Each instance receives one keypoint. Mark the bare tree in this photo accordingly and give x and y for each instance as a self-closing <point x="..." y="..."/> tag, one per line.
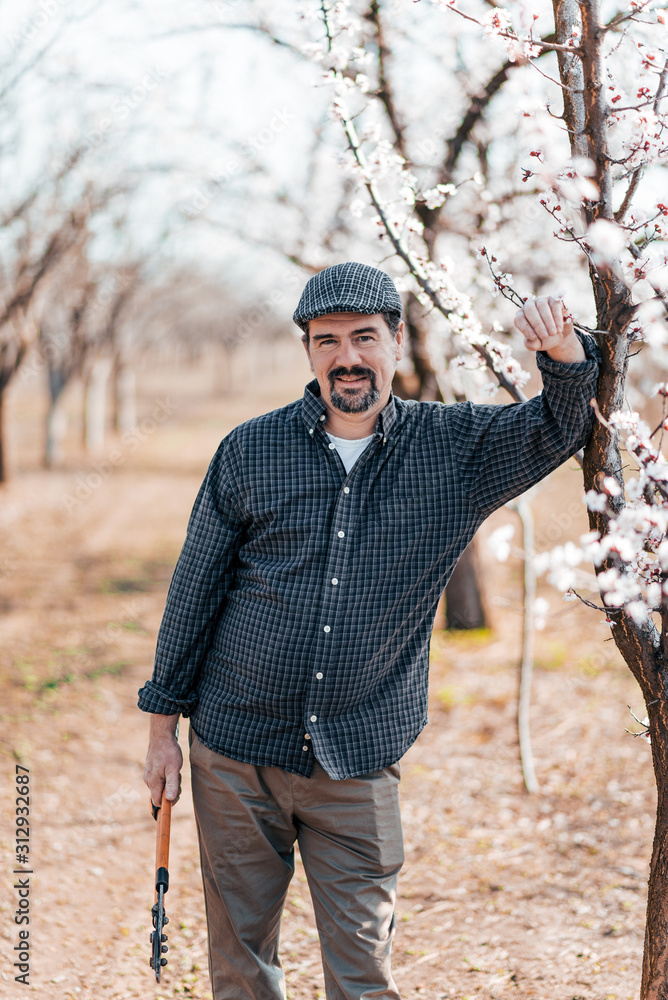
<point x="62" y="343"/>
<point x="18" y="324"/>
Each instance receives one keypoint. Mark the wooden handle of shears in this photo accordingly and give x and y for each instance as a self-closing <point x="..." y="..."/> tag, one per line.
<point x="164" y="818"/>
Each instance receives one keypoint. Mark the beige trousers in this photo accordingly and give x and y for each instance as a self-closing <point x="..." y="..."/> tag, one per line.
<point x="350" y="840"/>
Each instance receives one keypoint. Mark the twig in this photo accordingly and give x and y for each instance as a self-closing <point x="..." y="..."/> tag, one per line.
<point x="661" y="86"/>
<point x="514" y="296"/>
<point x="630" y="191"/>
<point x="547" y="76"/>
<point x="596" y="607"/>
<point x="645" y="725"/>
<point x="507" y="291"/>
<point x="620" y="18"/>
<point x="547" y="46"/>
<point x="599" y="416"/>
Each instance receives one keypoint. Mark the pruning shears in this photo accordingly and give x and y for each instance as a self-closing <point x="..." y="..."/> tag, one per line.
<point x="163" y="814"/>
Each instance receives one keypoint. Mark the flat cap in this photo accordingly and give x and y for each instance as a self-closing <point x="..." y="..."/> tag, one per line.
<point x="349" y="287"/>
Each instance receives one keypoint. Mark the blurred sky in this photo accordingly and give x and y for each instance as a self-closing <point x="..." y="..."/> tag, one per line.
<point x="167" y="96"/>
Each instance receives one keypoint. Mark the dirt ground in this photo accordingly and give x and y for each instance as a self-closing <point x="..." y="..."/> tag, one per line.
<point x="503" y="894"/>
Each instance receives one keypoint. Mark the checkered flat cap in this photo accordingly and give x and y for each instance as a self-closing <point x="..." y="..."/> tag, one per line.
<point x="349" y="287"/>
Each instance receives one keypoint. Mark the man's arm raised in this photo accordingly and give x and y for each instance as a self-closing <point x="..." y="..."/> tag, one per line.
<point x="503" y="450"/>
<point x="164" y="759"/>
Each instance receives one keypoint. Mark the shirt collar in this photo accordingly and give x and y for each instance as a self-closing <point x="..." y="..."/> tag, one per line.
<point x="313" y="409"/>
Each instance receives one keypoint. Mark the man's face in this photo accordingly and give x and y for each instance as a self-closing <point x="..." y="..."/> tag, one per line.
<point x="354" y="357"/>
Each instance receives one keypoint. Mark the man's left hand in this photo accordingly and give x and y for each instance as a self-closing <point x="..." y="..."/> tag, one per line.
<point x="547" y="327"/>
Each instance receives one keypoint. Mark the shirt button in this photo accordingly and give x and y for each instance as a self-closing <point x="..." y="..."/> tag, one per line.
<point x="346" y="489"/>
<point x="311" y="431"/>
<point x="320" y="675"/>
<point x="306" y="736"/>
<point x="322" y="417"/>
<point x="332" y="446"/>
<point x="314" y="718"/>
<point x="341" y="534"/>
<point x="334" y="582"/>
<point x="304" y="748"/>
<point x="327" y="628"/>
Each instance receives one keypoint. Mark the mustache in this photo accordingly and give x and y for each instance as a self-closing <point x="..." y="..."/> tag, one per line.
<point x="357" y="371"/>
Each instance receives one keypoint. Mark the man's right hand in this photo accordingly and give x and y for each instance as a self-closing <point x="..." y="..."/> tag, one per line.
<point x="164" y="759"/>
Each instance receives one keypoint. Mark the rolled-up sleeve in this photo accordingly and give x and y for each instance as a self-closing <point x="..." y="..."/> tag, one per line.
<point x="503" y="450"/>
<point x="197" y="593"/>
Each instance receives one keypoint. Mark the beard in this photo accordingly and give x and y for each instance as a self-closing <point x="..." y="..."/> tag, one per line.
<point x="354" y="399"/>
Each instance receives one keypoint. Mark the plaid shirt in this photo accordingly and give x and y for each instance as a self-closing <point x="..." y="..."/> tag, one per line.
<point x="299" y="614"/>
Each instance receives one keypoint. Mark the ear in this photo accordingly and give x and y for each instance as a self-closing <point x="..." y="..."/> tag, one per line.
<point x="305" y="342"/>
<point x="400" y="341"/>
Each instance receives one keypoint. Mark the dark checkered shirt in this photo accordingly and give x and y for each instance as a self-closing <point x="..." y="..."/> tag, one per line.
<point x="299" y="614"/>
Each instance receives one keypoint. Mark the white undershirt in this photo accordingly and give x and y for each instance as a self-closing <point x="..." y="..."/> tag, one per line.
<point x="350" y="451"/>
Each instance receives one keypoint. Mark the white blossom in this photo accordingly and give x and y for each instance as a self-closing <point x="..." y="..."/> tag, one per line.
<point x="435" y="197"/>
<point x="499" y="541"/>
<point x="619" y="591"/>
<point x="638" y="611"/>
<point x="560" y="563"/>
<point x="662" y="555"/>
<point x="541" y="609"/>
<point x="596" y="501"/>
<point x="496" y="20"/>
<point x="611" y="486"/>
<point x="607" y="240"/>
<point x="626" y="420"/>
<point x="608" y="579"/>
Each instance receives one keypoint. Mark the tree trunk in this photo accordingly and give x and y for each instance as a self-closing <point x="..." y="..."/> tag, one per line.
<point x="56" y="423"/>
<point x="96" y="404"/>
<point x="655" y="957"/>
<point x="417" y="336"/>
<point x="3" y="465"/>
<point x="56" y="420"/>
<point x="465" y="606"/>
<point x="125" y="397"/>
<point x="642" y="649"/>
<point x="225" y="381"/>
<point x="12" y="353"/>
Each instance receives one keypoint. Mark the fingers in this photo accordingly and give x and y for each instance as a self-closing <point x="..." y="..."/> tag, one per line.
<point x="540" y="318"/>
<point x="543" y="322"/>
<point x="156" y="795"/>
<point x="173" y="785"/>
<point x="163" y="770"/>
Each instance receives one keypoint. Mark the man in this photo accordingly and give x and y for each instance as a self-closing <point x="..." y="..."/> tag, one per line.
<point x="297" y="626"/>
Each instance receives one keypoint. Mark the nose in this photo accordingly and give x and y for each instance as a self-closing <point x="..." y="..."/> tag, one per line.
<point x="348" y="354"/>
